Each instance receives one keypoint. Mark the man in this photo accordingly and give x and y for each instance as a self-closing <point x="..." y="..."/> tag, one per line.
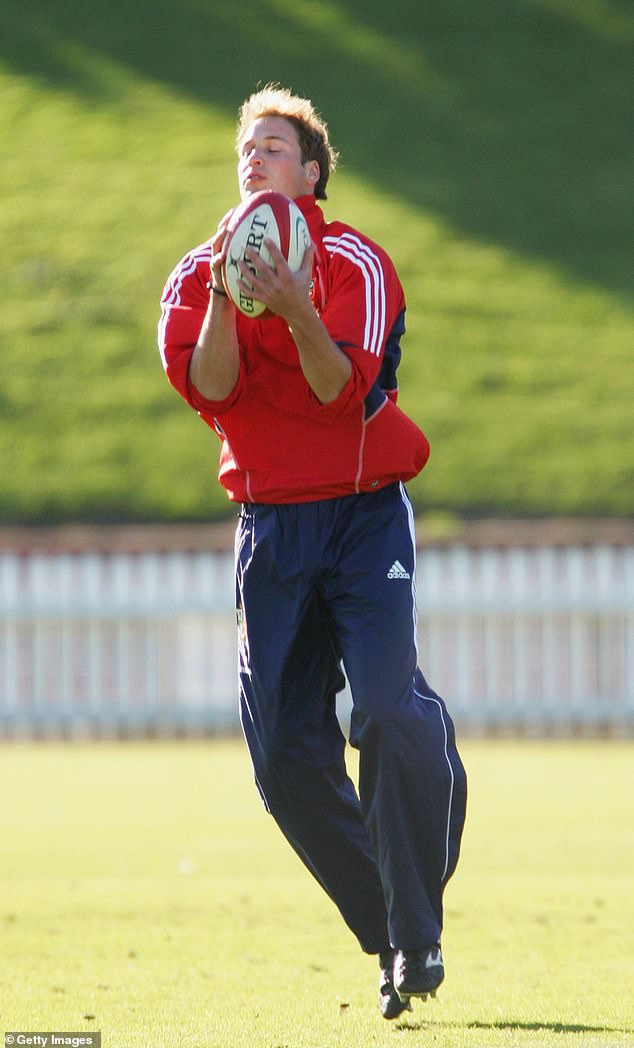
<point x="316" y="451"/>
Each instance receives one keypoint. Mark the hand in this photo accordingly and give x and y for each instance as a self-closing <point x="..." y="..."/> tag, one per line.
<point x="280" y="289"/>
<point x="218" y="250"/>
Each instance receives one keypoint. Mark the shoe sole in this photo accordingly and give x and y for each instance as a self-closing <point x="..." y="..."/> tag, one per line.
<point x="423" y="995"/>
<point x="429" y="991"/>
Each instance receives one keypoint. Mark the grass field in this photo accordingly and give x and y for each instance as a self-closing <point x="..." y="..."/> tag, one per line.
<point x="488" y="146"/>
<point x="146" y="894"/>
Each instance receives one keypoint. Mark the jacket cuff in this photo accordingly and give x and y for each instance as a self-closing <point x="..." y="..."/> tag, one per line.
<point x="342" y="402"/>
<point x="200" y="403"/>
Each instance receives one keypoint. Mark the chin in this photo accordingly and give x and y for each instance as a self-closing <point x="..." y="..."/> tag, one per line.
<point x="255" y="187"/>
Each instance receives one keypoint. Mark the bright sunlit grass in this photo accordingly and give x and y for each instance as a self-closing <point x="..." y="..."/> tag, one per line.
<point x="484" y="148"/>
<point x="146" y="894"/>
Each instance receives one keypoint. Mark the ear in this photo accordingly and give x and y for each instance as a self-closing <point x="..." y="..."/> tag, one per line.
<point x="312" y="171"/>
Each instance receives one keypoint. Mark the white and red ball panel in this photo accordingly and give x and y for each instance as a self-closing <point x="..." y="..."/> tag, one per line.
<point x="267" y="215"/>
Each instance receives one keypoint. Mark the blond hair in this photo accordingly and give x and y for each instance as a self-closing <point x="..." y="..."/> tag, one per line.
<point x="311" y="130"/>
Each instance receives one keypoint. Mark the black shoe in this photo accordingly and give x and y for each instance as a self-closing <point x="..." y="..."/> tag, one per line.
<point x="390" y="1004"/>
<point x="418" y="973"/>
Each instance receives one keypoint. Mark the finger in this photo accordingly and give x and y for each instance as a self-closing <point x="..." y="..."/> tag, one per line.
<point x="251" y="275"/>
<point x="226" y="218"/>
<point x="218" y="248"/>
<point x="222" y="226"/>
<point x="306" y="267"/>
<point x="219" y="239"/>
<point x="277" y="257"/>
<point x="256" y="262"/>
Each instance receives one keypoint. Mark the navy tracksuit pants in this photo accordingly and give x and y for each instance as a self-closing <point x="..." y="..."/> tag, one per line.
<point x="318" y="584"/>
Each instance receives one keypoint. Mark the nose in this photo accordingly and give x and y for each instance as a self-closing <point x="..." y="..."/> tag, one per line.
<point x="252" y="157"/>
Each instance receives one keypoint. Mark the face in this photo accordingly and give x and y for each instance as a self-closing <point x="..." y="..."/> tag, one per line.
<point x="270" y="158"/>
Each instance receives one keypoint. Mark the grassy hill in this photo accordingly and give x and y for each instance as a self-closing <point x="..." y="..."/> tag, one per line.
<point x="488" y="147"/>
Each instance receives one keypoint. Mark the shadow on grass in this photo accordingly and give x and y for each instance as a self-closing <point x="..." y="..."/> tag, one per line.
<point x="508" y="119"/>
<point x="535" y="1027"/>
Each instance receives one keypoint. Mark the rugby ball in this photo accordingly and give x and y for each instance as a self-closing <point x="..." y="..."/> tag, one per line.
<point x="266" y="215"/>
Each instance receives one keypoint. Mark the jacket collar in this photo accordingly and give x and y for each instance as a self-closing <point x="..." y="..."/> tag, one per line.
<point x="312" y="213"/>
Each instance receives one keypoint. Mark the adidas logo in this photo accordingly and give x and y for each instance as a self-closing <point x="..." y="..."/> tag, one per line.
<point x="397" y="571"/>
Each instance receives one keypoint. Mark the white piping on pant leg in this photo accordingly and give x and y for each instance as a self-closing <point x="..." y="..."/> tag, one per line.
<point x="244" y="664"/>
<point x="412" y="532"/>
<point x="429" y="698"/>
<point x="244" y="655"/>
<point x="235" y="541"/>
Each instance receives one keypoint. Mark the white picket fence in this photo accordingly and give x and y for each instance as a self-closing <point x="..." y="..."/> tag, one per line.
<point x="532" y="638"/>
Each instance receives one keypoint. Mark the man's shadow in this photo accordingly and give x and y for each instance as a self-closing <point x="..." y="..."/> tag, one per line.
<point x="536" y="1026"/>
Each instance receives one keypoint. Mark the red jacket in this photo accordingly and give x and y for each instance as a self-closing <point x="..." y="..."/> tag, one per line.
<point x="279" y="442"/>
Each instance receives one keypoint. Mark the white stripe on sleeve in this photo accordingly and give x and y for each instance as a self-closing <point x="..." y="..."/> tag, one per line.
<point x="361" y="255"/>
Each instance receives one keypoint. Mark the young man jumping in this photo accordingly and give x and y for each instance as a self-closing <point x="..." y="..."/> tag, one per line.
<point x="316" y="452"/>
